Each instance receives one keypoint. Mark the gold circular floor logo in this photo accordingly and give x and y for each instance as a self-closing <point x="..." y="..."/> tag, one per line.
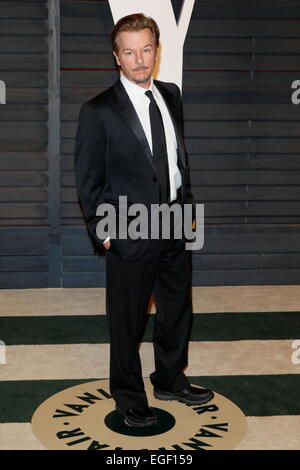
<point x="84" y="417"/>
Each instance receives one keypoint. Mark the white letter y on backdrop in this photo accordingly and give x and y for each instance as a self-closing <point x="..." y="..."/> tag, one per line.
<point x="172" y="35"/>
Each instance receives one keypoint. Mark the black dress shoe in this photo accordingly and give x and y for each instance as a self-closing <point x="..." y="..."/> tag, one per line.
<point x="138" y="419"/>
<point x="190" y="395"/>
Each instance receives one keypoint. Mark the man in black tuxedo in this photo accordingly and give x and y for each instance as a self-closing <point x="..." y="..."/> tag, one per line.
<point x="129" y="142"/>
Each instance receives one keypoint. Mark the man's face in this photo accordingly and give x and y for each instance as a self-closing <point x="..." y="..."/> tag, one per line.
<point x="136" y="55"/>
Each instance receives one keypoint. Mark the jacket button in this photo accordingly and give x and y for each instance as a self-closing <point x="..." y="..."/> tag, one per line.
<point x="154" y="179"/>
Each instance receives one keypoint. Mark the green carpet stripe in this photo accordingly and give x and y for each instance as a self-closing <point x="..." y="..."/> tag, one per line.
<point x="263" y="395"/>
<point x="93" y="329"/>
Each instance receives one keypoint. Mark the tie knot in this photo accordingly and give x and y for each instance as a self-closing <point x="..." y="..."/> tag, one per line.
<point x="149" y="94"/>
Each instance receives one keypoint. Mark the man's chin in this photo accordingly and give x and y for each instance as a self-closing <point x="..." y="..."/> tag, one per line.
<point x="142" y="79"/>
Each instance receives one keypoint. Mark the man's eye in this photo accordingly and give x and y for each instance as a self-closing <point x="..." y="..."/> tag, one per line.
<point x="147" y="50"/>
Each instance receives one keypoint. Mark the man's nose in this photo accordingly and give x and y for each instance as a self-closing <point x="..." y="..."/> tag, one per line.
<point x="139" y="58"/>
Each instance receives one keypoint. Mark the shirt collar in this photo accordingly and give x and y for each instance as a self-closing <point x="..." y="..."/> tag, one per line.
<point x="134" y="91"/>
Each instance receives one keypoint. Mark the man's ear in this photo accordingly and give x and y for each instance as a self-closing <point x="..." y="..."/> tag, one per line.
<point x="116" y="57"/>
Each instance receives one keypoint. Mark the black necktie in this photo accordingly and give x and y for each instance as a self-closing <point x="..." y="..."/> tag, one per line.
<point x="159" y="149"/>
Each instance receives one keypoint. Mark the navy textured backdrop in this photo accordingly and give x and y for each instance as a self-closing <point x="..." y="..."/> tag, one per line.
<point x="241" y="129"/>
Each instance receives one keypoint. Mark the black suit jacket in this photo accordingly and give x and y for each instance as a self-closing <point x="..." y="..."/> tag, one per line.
<point x="113" y="158"/>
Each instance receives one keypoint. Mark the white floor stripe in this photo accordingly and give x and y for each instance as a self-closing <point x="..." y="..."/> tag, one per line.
<point x="42" y="302"/>
<point x="272" y="433"/>
<point x="91" y="301"/>
<point x="18" y="436"/>
<point x="80" y="361"/>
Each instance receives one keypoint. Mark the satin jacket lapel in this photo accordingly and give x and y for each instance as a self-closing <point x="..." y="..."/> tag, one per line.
<point x="129" y="114"/>
<point x="168" y="98"/>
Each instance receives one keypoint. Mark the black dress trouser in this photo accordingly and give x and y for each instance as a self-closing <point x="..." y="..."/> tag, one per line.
<point x="165" y="271"/>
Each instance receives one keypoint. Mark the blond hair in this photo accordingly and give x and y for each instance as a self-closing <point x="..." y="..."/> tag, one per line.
<point x="134" y="22"/>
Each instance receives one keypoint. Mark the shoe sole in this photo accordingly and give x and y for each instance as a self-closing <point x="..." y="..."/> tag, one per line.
<point x="134" y="424"/>
<point x="126" y="422"/>
<point x="165" y="396"/>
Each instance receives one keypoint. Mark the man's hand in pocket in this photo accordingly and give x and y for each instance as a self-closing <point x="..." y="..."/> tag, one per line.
<point x="107" y="244"/>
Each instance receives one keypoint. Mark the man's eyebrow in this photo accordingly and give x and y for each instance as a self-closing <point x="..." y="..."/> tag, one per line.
<point x="128" y="49"/>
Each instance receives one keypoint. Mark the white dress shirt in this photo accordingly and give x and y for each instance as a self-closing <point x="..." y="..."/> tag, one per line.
<point x="141" y="104"/>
